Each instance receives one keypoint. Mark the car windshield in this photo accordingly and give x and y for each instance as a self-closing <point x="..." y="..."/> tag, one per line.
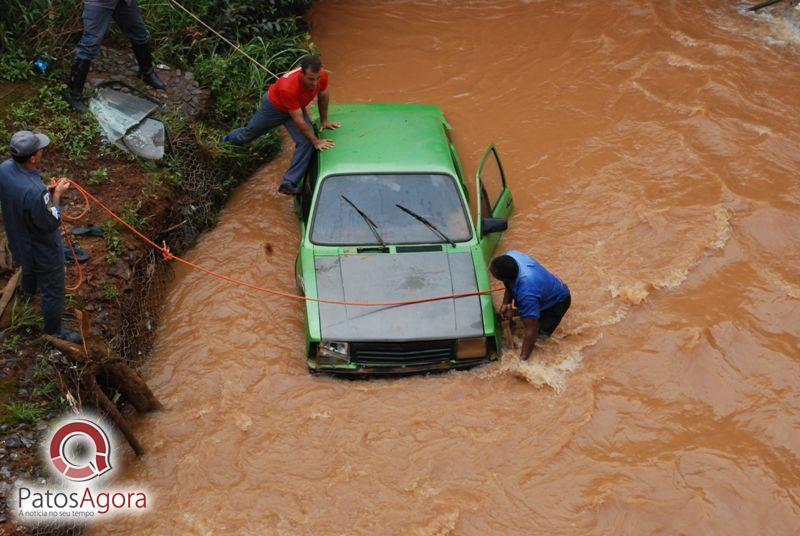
<point x="434" y="197"/>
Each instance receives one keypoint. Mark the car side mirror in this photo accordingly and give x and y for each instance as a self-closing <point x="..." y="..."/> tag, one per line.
<point x="493" y="225"/>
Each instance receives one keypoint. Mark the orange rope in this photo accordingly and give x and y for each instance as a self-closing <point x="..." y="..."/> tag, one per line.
<point x="69" y="239"/>
<point x="168" y="255"/>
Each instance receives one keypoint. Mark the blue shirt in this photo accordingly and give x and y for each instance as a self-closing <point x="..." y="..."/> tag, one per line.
<point x="535" y="289"/>
<point x="30" y="218"/>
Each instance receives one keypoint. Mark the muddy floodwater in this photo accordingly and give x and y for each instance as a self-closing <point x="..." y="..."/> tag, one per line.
<point x="653" y="150"/>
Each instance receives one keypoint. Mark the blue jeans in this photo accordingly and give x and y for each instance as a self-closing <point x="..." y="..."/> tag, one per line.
<point x="96" y="20"/>
<point x="268" y="117"/>
<point x="50" y="284"/>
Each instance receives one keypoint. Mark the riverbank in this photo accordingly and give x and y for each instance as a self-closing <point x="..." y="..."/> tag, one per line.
<point x="173" y="200"/>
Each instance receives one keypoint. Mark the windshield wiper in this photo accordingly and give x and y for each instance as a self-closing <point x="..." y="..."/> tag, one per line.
<point x="372" y="225"/>
<point x="428" y="224"/>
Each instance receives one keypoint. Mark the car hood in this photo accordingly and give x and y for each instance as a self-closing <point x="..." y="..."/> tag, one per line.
<point x="397" y="277"/>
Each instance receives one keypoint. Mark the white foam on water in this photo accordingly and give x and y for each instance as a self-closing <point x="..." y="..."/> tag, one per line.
<point x="541" y="369"/>
<point x="636" y="292"/>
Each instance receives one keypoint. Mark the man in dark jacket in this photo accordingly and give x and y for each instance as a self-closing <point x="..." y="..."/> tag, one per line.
<point x="97" y="15"/>
<point x="31" y="216"/>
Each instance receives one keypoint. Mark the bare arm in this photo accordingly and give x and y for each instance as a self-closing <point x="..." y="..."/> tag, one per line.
<point x="531" y="326"/>
<point x="506" y="311"/>
<point x="302" y="126"/>
<point x="307" y="131"/>
<point x="322" y="104"/>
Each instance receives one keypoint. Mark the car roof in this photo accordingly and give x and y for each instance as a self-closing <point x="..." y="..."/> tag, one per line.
<point x="386" y="138"/>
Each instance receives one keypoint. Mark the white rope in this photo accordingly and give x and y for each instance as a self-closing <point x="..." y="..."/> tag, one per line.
<point x="231" y="43"/>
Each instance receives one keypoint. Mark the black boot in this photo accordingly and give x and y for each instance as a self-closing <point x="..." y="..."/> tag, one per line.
<point x="77" y="78"/>
<point x="145" y="60"/>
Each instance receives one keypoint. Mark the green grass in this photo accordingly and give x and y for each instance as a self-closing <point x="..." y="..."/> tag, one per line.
<point x="76" y="135"/>
<point x="13" y="342"/>
<point x="24" y="412"/>
<point x="24" y="318"/>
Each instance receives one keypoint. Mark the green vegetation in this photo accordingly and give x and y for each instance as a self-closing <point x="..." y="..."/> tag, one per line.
<point x="24" y="319"/>
<point x="132" y="217"/>
<point x="109" y="291"/>
<point x="48" y="113"/>
<point x="24" y="412"/>
<point x="13" y="342"/>
<point x="98" y="176"/>
<point x="272" y="31"/>
<point x="114" y="246"/>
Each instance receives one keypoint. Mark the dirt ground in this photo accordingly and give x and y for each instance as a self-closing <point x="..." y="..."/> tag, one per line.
<point x="146" y="195"/>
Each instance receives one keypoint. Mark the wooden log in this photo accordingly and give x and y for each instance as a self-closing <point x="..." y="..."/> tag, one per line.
<point x="98" y="361"/>
<point x="8" y="291"/>
<point x="104" y="404"/>
<point x="128" y="382"/>
<point x="72" y="350"/>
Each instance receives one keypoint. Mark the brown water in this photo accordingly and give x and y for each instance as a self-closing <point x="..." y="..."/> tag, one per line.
<point x="653" y="150"/>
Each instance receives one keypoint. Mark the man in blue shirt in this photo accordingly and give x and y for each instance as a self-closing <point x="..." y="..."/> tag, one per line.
<point x="31" y="216"/>
<point x="541" y="298"/>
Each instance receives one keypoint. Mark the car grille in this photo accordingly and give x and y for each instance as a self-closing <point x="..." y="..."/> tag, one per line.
<point x="402" y="353"/>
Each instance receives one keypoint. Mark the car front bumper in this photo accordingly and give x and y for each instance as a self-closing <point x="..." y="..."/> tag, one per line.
<point x="355" y="369"/>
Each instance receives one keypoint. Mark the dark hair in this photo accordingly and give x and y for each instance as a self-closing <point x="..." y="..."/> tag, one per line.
<point x="311" y="62"/>
<point x="22" y="159"/>
<point x="504" y="268"/>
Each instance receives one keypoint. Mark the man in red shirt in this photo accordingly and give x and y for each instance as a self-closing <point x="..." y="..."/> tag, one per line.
<point x="285" y="104"/>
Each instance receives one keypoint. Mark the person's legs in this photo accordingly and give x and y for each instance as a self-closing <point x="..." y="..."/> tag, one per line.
<point x="131" y="22"/>
<point x="303" y="151"/>
<point x="265" y="118"/>
<point x="51" y="288"/>
<point x="28" y="283"/>
<point x="95" y="25"/>
<point x="549" y="319"/>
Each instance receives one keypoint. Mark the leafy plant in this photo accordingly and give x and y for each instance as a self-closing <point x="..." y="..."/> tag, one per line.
<point x="98" y="176"/>
<point x="132" y="217"/>
<point x="109" y="291"/>
<point x="14" y="66"/>
<point x="114" y="245"/>
<point x="49" y="113"/>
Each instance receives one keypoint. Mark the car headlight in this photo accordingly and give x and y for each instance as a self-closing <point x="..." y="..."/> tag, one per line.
<point x="333" y="352"/>
<point x="471" y="348"/>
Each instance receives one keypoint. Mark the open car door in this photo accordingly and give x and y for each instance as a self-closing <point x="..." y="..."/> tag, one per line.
<point x="494" y="202"/>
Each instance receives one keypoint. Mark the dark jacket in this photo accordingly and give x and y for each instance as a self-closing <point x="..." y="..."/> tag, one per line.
<point x="31" y="221"/>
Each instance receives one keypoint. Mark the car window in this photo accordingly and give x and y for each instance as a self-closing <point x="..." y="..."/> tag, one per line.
<point x="435" y="197"/>
<point x="492" y="179"/>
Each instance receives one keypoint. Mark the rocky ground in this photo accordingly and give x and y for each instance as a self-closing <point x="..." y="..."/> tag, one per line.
<point x="183" y="92"/>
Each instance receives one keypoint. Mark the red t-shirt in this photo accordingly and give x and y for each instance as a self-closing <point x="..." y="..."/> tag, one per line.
<point x="289" y="93"/>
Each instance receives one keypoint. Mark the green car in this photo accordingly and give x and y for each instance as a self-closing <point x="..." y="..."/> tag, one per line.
<point x="385" y="217"/>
